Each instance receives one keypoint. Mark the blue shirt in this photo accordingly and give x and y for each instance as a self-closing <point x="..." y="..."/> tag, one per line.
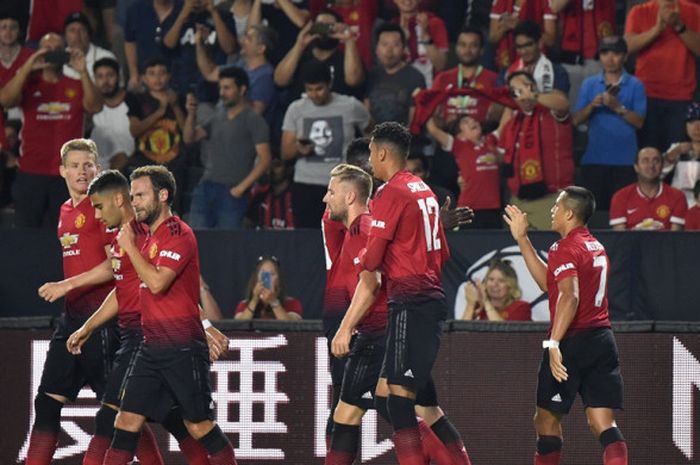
<point x="145" y="29"/>
<point x="611" y="140"/>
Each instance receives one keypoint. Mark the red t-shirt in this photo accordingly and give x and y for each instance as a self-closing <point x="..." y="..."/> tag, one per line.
<point x="667" y="52"/>
<point x="127" y="281"/>
<point x="629" y="206"/>
<point x="464" y="104"/>
<point x="478" y="165"/>
<point x="534" y="10"/>
<point x="290" y="304"/>
<point x="7" y="73"/>
<point x="518" y="310"/>
<point x="407" y="214"/>
<point x="171" y="319"/>
<point x="335" y="296"/>
<point x="83" y="240"/>
<point x="53" y="114"/>
<point x="692" y="218"/>
<point x="48" y="15"/>
<point x="584" y="23"/>
<point x="416" y="53"/>
<point x="580" y="254"/>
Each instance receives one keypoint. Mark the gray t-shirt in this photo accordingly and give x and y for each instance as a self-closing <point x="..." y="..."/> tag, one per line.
<point x="229" y="153"/>
<point x="391" y="95"/>
<point x="331" y="127"/>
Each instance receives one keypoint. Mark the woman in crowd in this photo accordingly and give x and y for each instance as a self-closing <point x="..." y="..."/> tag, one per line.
<point x="266" y="297"/>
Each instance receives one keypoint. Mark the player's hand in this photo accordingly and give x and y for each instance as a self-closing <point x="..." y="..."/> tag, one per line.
<point x="77" y="339"/>
<point x="340" y="345"/>
<point x="217" y="342"/>
<point x="452" y="218"/>
<point x="51" y="292"/>
<point x="556" y="364"/>
<point x="126" y="237"/>
<point x="517" y="221"/>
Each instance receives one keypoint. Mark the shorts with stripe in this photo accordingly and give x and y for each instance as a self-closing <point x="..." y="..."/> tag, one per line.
<point x="131" y="340"/>
<point x="364" y="364"/>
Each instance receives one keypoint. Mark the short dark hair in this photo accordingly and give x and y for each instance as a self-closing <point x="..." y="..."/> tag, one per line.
<point x="468" y="29"/>
<point x="315" y="72"/>
<point x="155" y="61"/>
<point x="636" y="157"/>
<point x="395" y="134"/>
<point x="391" y="27"/>
<point x="528" y="29"/>
<point x="267" y="37"/>
<point x="160" y="177"/>
<point x="521" y="72"/>
<point x="581" y="201"/>
<point x="358" y="149"/>
<point x="106" y="61"/>
<point x="109" y="181"/>
<point x="239" y="75"/>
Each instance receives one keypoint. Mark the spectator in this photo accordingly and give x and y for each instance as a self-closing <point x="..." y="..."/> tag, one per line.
<point x="497" y="298"/>
<point x="648" y="203"/>
<point x="210" y="307"/>
<point x="12" y="53"/>
<point x="683" y="158"/>
<point x="505" y="17"/>
<point x="391" y="84"/>
<point x="78" y="35"/>
<point x="665" y="35"/>
<point x="427" y="38"/>
<point x="319" y="42"/>
<point x="316" y="130"/>
<point x="417" y="163"/>
<point x="284" y="16"/>
<point x="538" y="157"/>
<point x="240" y="11"/>
<point x="54" y="108"/>
<point x="147" y="21"/>
<point x="9" y="154"/>
<point x="102" y="13"/>
<point x="692" y="218"/>
<point x="478" y="160"/>
<point x="612" y="104"/>
<point x="110" y="131"/>
<point x="217" y="30"/>
<point x="46" y="16"/>
<point x="236" y="155"/>
<point x="266" y="297"/>
<point x="271" y="203"/>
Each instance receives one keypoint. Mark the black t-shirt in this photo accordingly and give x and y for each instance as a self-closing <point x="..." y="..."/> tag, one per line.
<point x="162" y="142"/>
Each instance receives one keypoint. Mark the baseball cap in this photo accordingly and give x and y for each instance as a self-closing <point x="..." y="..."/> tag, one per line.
<point x="77" y="17"/>
<point x="693" y="112"/>
<point x="613" y="44"/>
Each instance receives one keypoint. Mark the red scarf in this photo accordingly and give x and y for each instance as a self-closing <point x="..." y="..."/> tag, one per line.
<point x="522" y="140"/>
<point x="573" y="25"/>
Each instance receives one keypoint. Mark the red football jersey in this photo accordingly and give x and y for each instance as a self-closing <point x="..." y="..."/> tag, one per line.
<point x="407" y="214"/>
<point x="465" y="104"/>
<point x="48" y="16"/>
<point x="127" y="282"/>
<point x="629" y="206"/>
<point x="53" y="114"/>
<point x="83" y="240"/>
<point x="692" y="219"/>
<point x="290" y="304"/>
<point x="580" y="254"/>
<point x="532" y="10"/>
<point x="8" y="72"/>
<point x="478" y="165"/>
<point x="335" y="296"/>
<point x="518" y="310"/>
<point x="171" y="319"/>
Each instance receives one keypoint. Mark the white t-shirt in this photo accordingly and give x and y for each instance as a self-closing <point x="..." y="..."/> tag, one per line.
<point x="111" y="133"/>
<point x="93" y="54"/>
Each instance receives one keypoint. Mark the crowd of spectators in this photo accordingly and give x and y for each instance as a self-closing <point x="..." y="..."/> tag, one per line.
<point x="250" y="103"/>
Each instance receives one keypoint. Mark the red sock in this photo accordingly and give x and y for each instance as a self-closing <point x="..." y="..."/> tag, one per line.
<point x="95" y="453"/>
<point x="451" y="441"/>
<point x="338" y="457"/>
<point x="147" y="450"/>
<point x="194" y="452"/>
<point x="548" y="459"/>
<point x="433" y="449"/>
<point x="615" y="453"/>
<point x="42" y="445"/>
<point x="118" y="457"/>
<point x="458" y="453"/>
<point x="407" y="445"/>
<point x="225" y="456"/>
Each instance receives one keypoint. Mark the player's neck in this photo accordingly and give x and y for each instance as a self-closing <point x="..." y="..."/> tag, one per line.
<point x="569" y="227"/>
<point x="353" y="214"/>
<point x="164" y="215"/>
<point x="77" y="197"/>
<point x="393" y="169"/>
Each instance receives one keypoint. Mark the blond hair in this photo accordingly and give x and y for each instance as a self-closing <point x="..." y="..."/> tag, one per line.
<point x="78" y="145"/>
<point x="359" y="177"/>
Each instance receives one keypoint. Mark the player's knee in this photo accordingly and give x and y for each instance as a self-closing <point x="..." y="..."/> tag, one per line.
<point x="47" y="412"/>
<point x="199" y="429"/>
<point x="347" y="414"/>
<point x="104" y="421"/>
<point x="213" y="440"/>
<point x="128" y="421"/>
<point x="610" y="436"/>
<point x="174" y="425"/>
<point x="548" y="444"/>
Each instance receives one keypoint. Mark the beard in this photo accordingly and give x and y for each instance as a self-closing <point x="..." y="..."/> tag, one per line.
<point x="470" y="63"/>
<point x="111" y="93"/>
<point x="326" y="43"/>
<point x="337" y="216"/>
<point x="149" y="215"/>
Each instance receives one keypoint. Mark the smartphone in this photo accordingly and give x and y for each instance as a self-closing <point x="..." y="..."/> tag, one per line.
<point x="612" y="89"/>
<point x="266" y="279"/>
<point x="57" y="57"/>
<point x="323" y="29"/>
<point x="305" y="141"/>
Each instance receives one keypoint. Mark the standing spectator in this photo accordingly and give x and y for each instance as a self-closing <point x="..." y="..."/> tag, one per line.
<point x="505" y="17"/>
<point x="665" y="35"/>
<point x="9" y="154"/>
<point x="427" y="38"/>
<point x="692" y="218"/>
<point x="102" y="13"/>
<point x="46" y="16"/>
<point x="391" y="84"/>
<point x="54" y="108"/>
<point x="110" y="131"/>
<point x="417" y="164"/>
<point x="316" y="130"/>
<point x="612" y="104"/>
<point x="237" y="138"/>
<point x="78" y="34"/>
<point x="683" y="158"/>
<point x="648" y="203"/>
<point x="271" y="204"/>
<point x="284" y="16"/>
<point x="12" y="53"/>
<point x="266" y="296"/>
<point x="538" y="159"/>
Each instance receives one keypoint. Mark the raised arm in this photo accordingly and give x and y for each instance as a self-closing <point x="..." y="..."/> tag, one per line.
<point x="11" y="94"/>
<point x="517" y="221"/>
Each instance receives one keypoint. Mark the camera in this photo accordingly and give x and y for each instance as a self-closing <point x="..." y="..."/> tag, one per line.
<point x="323" y="29"/>
<point x="612" y="89"/>
<point x="57" y="57"/>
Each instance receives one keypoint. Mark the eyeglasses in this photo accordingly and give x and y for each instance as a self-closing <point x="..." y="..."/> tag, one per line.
<point x="525" y="45"/>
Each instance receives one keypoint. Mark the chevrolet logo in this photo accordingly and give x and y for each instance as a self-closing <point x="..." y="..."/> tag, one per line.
<point x="68" y="240"/>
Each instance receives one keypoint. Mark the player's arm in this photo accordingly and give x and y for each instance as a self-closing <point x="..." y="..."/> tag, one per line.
<point x="365" y="293"/>
<point x="372" y="256"/>
<point x="566" y="306"/>
<point x="156" y="278"/>
<point x="107" y="311"/>
<point x="517" y="221"/>
<point x="99" y="274"/>
<point x="216" y="340"/>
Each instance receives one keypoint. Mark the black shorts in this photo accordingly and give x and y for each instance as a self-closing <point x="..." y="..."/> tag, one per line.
<point x="413" y="342"/>
<point x="337" y="365"/>
<point x="161" y="379"/>
<point x="593" y="365"/>
<point x="364" y="364"/>
<point x="131" y="340"/>
<point x="65" y="374"/>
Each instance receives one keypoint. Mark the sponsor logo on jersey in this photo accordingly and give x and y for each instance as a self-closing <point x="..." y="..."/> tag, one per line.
<point x="594" y="246"/>
<point x="419" y="186"/>
<point x="556" y="398"/>
<point x="564" y="267"/>
<point x="170" y="254"/>
<point x="68" y="240"/>
<point x="378" y="224"/>
<point x="408" y="373"/>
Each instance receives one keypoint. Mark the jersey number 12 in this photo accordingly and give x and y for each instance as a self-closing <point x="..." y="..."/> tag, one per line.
<point x="429" y="206"/>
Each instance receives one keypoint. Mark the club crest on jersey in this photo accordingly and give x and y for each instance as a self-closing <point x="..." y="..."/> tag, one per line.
<point x="663" y="211"/>
<point x="68" y="240"/>
<point x="116" y="264"/>
<point x="153" y="251"/>
<point x="80" y="221"/>
<point x="71" y="93"/>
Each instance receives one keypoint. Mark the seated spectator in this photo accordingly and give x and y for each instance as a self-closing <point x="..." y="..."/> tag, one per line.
<point x="692" y="218"/>
<point x="612" y="104"/>
<point x="497" y="298"/>
<point x="477" y="157"/>
<point x="270" y="204"/>
<point x="417" y="164"/>
<point x="12" y="53"/>
<point x="538" y="159"/>
<point x="665" y="36"/>
<point x="78" y="35"/>
<point x="391" y="84"/>
<point x="110" y="131"/>
<point x="316" y="130"/>
<point x="648" y="204"/>
<point x="284" y="16"/>
<point x="236" y="155"/>
<point x="683" y="158"/>
<point x="266" y="297"/>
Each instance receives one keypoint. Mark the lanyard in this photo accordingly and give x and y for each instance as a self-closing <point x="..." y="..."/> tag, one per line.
<point x="472" y="81"/>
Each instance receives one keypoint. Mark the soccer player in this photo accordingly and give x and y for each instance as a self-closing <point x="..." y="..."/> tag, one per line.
<point x="581" y="353"/>
<point x="408" y="242"/>
<point x="173" y="357"/>
<point x="88" y="280"/>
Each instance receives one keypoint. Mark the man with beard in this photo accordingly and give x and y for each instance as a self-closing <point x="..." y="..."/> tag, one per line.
<point x="111" y="125"/>
<point x="221" y="197"/>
